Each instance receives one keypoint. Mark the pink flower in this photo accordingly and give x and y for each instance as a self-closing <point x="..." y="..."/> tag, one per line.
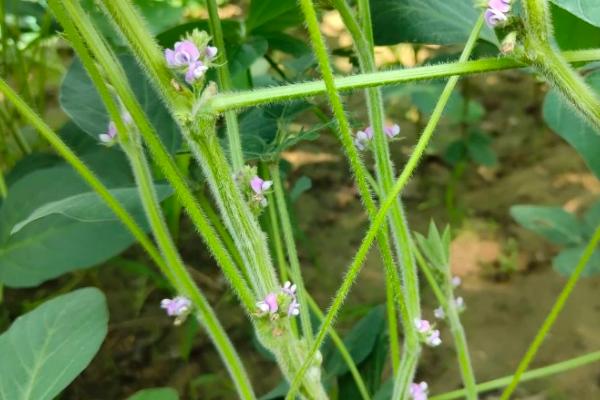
<point x="439" y="313"/>
<point x="433" y="338"/>
<point x="423" y="326"/>
<point x="176" y="306"/>
<point x="392" y="130"/>
<point x="294" y="308"/>
<point x="183" y="54"/>
<point x="418" y="391"/>
<point x="269" y="304"/>
<point x="500" y="5"/>
<point x="260" y="186"/>
<point x="289" y="288"/>
<point x="195" y="71"/>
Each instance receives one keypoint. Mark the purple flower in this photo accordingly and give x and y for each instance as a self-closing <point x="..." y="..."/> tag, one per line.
<point x="392" y="130"/>
<point x="211" y="52"/>
<point x="269" y="304"/>
<point x="439" y="313"/>
<point x="494" y="17"/>
<point x="362" y="138"/>
<point x="177" y="306"/>
<point x="195" y="70"/>
<point x="294" y="308"/>
<point x="423" y="326"/>
<point x="433" y="338"/>
<point x="260" y="186"/>
<point x="110" y="135"/>
<point x="289" y="288"/>
<point x="500" y="5"/>
<point x="418" y="391"/>
<point x="183" y="54"/>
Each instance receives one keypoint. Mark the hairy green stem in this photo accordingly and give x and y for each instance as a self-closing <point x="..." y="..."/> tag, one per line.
<point x="232" y="101"/>
<point x="177" y="271"/>
<point x="294" y="261"/>
<point x="384" y="168"/>
<point x="540" y="53"/>
<point x="446" y="301"/>
<point x="559" y="304"/>
<point x="236" y="214"/>
<point x="233" y="130"/>
<point x="404" y="377"/>
<point x="538" y="373"/>
<point x="346" y="356"/>
<point x="361" y="174"/>
<point x="116" y="76"/>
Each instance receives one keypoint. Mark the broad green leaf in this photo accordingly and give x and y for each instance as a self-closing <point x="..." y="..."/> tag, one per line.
<point x="242" y="56"/>
<point x="591" y="218"/>
<point x="89" y="206"/>
<point x="155" y="394"/>
<point x="573" y="33"/>
<point x="425" y="21"/>
<point x="45" y="349"/>
<point x="273" y="15"/>
<point x="79" y="99"/>
<point x="303" y="184"/>
<point x="588" y="10"/>
<point x="480" y="149"/>
<point x="567" y="123"/>
<point x="359" y="341"/>
<point x="553" y="223"/>
<point x="56" y="244"/>
<point x="566" y="261"/>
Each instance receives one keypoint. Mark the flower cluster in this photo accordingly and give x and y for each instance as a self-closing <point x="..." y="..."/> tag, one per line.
<point x="497" y="12"/>
<point x="253" y="187"/>
<point x="429" y="335"/>
<point x="418" y="391"/>
<point x="285" y="300"/>
<point x="192" y="56"/>
<point x="110" y="136"/>
<point x="178" y="307"/>
<point x="363" y="138"/>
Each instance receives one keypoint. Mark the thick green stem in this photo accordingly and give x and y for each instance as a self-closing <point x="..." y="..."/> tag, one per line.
<point x="294" y="261"/>
<point x="117" y="78"/>
<point x="232" y="101"/>
<point x="177" y="271"/>
<point x="535" y="345"/>
<point x="3" y="188"/>
<point x="447" y="303"/>
<point x="236" y="214"/>
<point x="233" y="130"/>
<point x="540" y="53"/>
<point x="538" y="373"/>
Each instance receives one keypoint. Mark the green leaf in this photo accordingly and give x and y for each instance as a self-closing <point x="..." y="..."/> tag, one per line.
<point x="273" y="15"/>
<point x="588" y="10"/>
<point x="89" y="206"/>
<point x="425" y="98"/>
<point x="56" y="244"/>
<point x="80" y="100"/>
<point x="155" y="394"/>
<point x="480" y="149"/>
<point x="360" y="341"/>
<point x="591" y="218"/>
<point x="302" y="185"/>
<point x="567" y="123"/>
<point x="242" y="56"/>
<point x="455" y="152"/>
<point x="425" y="21"/>
<point x="553" y="223"/>
<point x="572" y="33"/>
<point x="45" y="349"/>
<point x="566" y="261"/>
